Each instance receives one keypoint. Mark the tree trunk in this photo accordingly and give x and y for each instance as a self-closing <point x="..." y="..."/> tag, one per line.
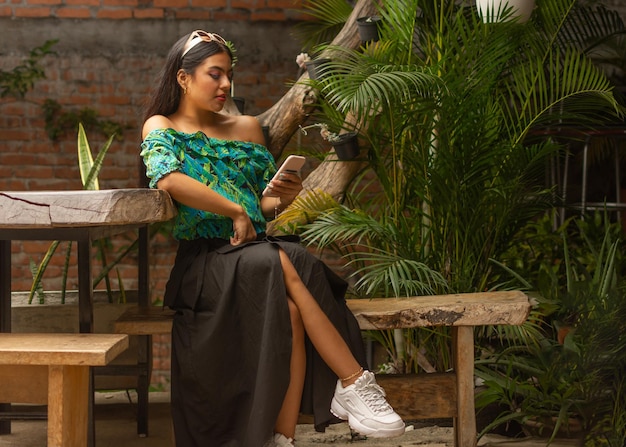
<point x="293" y="109"/>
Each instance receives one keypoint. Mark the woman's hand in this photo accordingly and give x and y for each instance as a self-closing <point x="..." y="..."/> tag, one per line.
<point x="287" y="187"/>
<point x="243" y="230"/>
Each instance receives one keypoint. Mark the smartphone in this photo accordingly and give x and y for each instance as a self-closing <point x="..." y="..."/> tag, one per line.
<point x="292" y="165"/>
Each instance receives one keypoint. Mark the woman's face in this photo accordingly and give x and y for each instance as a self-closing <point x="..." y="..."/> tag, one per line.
<point x="209" y="85"/>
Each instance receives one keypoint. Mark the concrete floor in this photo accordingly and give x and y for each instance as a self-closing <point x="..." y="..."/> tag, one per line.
<point x="116" y="427"/>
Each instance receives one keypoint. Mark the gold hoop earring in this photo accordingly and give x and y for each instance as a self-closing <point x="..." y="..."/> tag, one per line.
<point x="185" y="90"/>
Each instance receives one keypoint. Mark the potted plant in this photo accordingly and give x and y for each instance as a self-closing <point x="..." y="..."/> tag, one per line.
<point x="317" y="67"/>
<point x="346" y="145"/>
<point x="368" y="28"/>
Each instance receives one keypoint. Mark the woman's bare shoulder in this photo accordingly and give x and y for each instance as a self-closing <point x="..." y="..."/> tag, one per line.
<point x="249" y="129"/>
<point x="156" y="122"/>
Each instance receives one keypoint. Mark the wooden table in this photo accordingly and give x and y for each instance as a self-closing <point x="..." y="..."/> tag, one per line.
<point x="61" y="361"/>
<point x="82" y="216"/>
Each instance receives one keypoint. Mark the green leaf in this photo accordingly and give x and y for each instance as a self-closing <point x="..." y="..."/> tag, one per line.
<point x="85" y="159"/>
<point x="38" y="273"/>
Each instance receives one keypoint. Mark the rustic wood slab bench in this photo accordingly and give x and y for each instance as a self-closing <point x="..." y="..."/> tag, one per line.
<point x="429" y="396"/>
<point x="53" y="369"/>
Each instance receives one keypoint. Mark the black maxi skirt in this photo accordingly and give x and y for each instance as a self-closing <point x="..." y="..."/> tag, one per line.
<point x="231" y="340"/>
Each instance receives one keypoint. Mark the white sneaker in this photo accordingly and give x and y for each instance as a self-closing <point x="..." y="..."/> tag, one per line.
<point x="281" y="440"/>
<point x="364" y="405"/>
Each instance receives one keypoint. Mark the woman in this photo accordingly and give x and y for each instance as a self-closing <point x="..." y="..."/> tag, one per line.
<point x="261" y="330"/>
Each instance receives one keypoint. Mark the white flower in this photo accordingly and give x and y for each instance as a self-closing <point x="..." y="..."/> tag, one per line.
<point x="301" y="59"/>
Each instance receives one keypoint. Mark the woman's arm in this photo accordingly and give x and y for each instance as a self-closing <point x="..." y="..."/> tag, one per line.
<point x="195" y="194"/>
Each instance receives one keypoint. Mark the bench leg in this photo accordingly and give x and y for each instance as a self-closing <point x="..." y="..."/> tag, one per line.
<point x="68" y="401"/>
<point x="463" y="351"/>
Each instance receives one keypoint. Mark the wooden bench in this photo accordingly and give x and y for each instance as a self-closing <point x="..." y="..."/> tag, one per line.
<point x="54" y="369"/>
<point x="424" y="396"/>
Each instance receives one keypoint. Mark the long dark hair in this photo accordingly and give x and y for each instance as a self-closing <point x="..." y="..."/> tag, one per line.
<point x="165" y="98"/>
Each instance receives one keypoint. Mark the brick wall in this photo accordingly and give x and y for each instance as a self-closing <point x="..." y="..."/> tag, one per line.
<point x="222" y="10"/>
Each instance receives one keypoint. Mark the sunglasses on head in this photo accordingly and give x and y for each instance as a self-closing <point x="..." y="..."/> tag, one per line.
<point x="201" y="36"/>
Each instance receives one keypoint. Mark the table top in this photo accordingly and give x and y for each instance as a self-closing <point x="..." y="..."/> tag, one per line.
<point x="60" y="349"/>
<point x="71" y="209"/>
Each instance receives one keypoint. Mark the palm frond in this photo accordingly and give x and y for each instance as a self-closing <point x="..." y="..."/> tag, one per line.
<point x="304" y="209"/>
<point x="362" y="86"/>
<point x="399" y="19"/>
<point x="327" y="19"/>
<point x="566" y="90"/>
<point x="588" y="27"/>
<point x="342" y="224"/>
<point x="386" y="274"/>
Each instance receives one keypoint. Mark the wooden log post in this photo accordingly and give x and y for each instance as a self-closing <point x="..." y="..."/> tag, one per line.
<point x="463" y="354"/>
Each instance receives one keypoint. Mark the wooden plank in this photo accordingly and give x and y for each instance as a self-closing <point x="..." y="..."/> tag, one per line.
<point x="51" y="209"/>
<point x="466" y="309"/>
<point x="145" y="321"/>
<point x="60" y="349"/>
<point x="421" y="396"/>
<point x="25" y="384"/>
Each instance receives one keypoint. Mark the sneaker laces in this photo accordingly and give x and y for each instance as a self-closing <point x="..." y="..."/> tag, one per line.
<point x="374" y="397"/>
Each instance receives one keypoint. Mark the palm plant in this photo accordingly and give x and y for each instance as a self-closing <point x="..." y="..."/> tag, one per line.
<point x="452" y="111"/>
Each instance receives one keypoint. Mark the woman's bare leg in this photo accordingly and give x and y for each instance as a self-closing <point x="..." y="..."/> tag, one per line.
<point x="289" y="412"/>
<point x="327" y="340"/>
<point x="372" y="416"/>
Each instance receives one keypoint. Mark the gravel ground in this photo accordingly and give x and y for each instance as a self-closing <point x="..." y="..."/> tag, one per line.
<point x="340" y="435"/>
<point x="425" y="436"/>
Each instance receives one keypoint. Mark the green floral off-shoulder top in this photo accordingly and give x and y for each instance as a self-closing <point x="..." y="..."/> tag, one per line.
<point x="237" y="170"/>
